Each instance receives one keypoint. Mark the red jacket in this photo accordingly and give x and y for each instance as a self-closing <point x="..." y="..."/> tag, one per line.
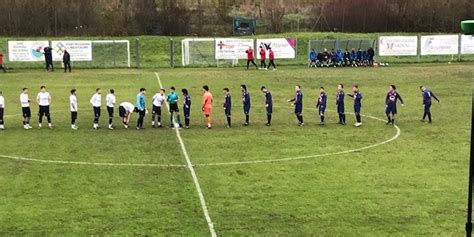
<point x="249" y="54"/>
<point x="271" y="55"/>
<point x="1" y="59"/>
<point x="262" y="54"/>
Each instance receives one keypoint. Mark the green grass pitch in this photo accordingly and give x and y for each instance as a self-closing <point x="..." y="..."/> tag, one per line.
<point x="414" y="185"/>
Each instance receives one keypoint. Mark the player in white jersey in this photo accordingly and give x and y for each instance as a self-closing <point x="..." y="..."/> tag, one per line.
<point x="110" y="102"/>
<point x="44" y="100"/>
<point x="25" y="108"/>
<point x="125" y="112"/>
<point x="96" y="102"/>
<point x="158" y="100"/>
<point x="2" y="108"/>
<point x="73" y="108"/>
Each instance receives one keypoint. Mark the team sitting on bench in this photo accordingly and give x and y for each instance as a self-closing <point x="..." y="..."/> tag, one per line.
<point x="338" y="58"/>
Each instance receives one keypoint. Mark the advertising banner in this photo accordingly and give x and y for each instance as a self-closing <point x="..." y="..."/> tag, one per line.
<point x="439" y="44"/>
<point x="80" y="50"/>
<point x="26" y="51"/>
<point x="232" y="48"/>
<point x="398" y="45"/>
<point x="282" y="47"/>
<point x="467" y="44"/>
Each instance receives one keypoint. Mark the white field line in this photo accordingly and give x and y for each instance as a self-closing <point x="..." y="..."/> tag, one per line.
<point x="88" y="163"/>
<point x="193" y="174"/>
<point x="310" y="156"/>
<point x="208" y="164"/>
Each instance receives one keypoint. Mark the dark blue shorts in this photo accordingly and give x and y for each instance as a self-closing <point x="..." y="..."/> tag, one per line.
<point x="357" y="109"/>
<point x="246" y="109"/>
<point x="186" y="111"/>
<point x="227" y="111"/>
<point x="427" y="107"/>
<point x="340" y="108"/>
<point x="298" y="108"/>
<point x="391" y="108"/>
<point x="269" y="109"/>
<point x="322" y="109"/>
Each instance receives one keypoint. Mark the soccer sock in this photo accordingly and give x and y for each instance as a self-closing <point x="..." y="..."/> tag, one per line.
<point x="153" y="118"/>
<point x="429" y="116"/>
<point x="247" y="117"/>
<point x="322" y="118"/>
<point x="393" y="121"/>
<point x="269" y="118"/>
<point x="24" y="123"/>
<point x="171" y="120"/>
<point x="186" y="122"/>
<point x="110" y="121"/>
<point x="228" y="121"/>
<point x="424" y="115"/>
<point x="159" y="118"/>
<point x="358" y="118"/>
<point x="177" y="119"/>
<point x="388" y="117"/>
<point x="344" y="118"/>
<point x="340" y="117"/>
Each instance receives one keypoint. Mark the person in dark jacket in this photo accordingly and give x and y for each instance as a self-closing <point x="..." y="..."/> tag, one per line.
<point x="67" y="61"/>
<point x="48" y="58"/>
<point x="359" y="58"/>
<point x="312" y="58"/>
<point x="371" y="53"/>
<point x="1" y="63"/>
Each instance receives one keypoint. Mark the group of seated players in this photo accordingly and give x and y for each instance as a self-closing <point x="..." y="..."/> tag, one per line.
<point x="339" y="58"/>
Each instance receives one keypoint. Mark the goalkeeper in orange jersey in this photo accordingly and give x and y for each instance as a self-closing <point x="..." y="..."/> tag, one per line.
<point x="207" y="105"/>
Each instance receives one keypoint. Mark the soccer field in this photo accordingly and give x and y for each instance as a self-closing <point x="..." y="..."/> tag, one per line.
<point x="331" y="180"/>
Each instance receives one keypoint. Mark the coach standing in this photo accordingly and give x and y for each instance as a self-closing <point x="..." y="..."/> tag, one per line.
<point x="271" y="57"/>
<point x="48" y="57"/>
<point x="250" y="58"/>
<point x="67" y="61"/>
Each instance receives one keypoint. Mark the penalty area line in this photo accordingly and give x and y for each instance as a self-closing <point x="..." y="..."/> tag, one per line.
<point x="193" y="172"/>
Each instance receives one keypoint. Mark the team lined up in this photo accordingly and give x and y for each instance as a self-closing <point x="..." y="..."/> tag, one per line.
<point x="126" y="109"/>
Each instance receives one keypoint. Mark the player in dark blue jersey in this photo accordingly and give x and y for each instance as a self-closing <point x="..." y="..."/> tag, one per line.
<point x="357" y="96"/>
<point x="298" y="103"/>
<point x="186" y="107"/>
<point x="268" y="105"/>
<point x="340" y="104"/>
<point x="321" y="104"/>
<point x="427" y="94"/>
<point x="227" y="106"/>
<point x="245" y="103"/>
<point x="391" y="104"/>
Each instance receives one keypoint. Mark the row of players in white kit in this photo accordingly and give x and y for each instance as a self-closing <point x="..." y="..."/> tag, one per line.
<point x="44" y="100"/>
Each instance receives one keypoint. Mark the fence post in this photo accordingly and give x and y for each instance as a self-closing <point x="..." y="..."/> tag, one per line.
<point x="418" y="47"/>
<point x="171" y="52"/>
<point x="307" y="53"/>
<point x="214" y="53"/>
<point x="92" y="48"/>
<point x="459" y="47"/>
<point x="137" y="52"/>
<point x="113" y="53"/>
<point x="296" y="49"/>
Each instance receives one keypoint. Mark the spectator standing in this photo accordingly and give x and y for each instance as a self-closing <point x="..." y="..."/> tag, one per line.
<point x="67" y="61"/>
